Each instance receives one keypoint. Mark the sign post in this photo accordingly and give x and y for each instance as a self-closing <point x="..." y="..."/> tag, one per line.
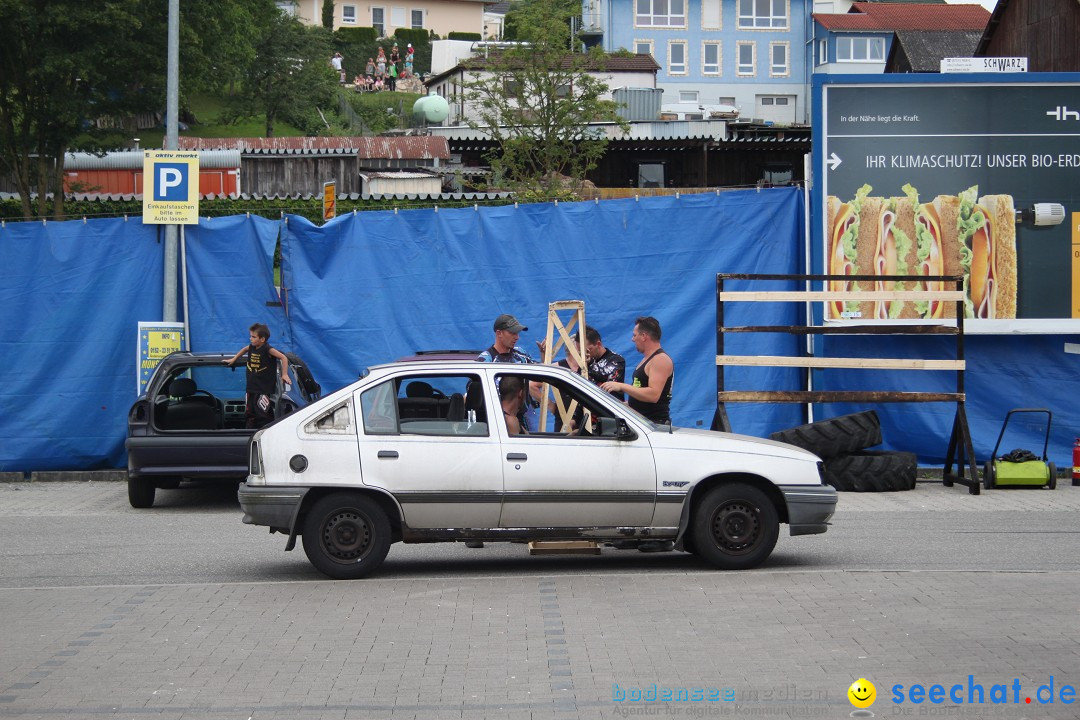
<point x="329" y="200"/>
<point x="170" y="187"/>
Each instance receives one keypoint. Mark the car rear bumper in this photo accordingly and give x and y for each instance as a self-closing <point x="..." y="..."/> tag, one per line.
<point x="809" y="507"/>
<point x="274" y="507"/>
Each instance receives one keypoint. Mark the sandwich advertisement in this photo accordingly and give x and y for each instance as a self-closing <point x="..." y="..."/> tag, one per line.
<point x="966" y="175"/>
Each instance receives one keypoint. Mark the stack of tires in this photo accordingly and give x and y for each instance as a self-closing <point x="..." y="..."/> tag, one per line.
<point x="842" y="441"/>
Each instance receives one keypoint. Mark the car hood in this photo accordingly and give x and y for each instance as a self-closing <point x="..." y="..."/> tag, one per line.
<point x="693" y="439"/>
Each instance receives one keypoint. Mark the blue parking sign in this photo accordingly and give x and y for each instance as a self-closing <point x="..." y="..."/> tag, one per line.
<point x="171" y="181"/>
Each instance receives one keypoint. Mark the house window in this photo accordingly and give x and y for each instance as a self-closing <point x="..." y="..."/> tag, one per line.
<point x="745" y="54"/>
<point x="378" y="20"/>
<point x="397" y="17"/>
<point x="778" y="59"/>
<point x="726" y="101"/>
<point x="860" y="49"/>
<point x="710" y="58"/>
<point x="711" y="18"/>
<point x="676" y="57"/>
<point x="643" y="47"/>
<point x="688" y="96"/>
<point x="287" y="6"/>
<point x="417" y="19"/>
<point x="660" y="13"/>
<point x="512" y="88"/>
<point x="763" y="14"/>
<point x="348" y="14"/>
<point x="823" y="52"/>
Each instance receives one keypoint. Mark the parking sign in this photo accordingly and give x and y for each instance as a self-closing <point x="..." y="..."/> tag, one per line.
<point x="170" y="187"/>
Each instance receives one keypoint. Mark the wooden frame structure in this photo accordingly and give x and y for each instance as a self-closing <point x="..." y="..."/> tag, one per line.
<point x="960" y="447"/>
<point x="574" y="348"/>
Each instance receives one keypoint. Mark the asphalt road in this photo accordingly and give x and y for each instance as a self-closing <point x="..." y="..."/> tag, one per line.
<point x="80" y="534"/>
<point x="181" y="612"/>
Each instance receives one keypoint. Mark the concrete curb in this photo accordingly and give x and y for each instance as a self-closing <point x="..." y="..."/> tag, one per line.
<point x="65" y="476"/>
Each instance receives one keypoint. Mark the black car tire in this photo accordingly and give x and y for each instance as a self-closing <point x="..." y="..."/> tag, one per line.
<point x="872" y="471"/>
<point x="832" y="437"/>
<point x="1052" y="483"/>
<point x="346" y="535"/>
<point x="141" y="492"/>
<point x="735" y="527"/>
<point x="988" y="475"/>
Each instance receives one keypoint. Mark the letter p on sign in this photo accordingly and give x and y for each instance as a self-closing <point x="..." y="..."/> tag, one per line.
<point x="171" y="183"/>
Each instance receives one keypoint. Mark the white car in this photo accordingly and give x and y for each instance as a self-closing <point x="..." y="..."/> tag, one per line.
<point x="420" y="452"/>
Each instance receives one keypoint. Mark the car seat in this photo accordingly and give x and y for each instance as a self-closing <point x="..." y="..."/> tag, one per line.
<point x="455" y="412"/>
<point x="190" y="412"/>
<point x="474" y="402"/>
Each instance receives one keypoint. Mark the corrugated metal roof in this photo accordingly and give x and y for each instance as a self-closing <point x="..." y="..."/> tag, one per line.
<point x="394" y="148"/>
<point x="389" y="175"/>
<point x="133" y="160"/>
<point x="867" y="16"/>
<point x="642" y="62"/>
<point x="651" y="130"/>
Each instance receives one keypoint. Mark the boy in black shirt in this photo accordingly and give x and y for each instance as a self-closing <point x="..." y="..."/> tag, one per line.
<point x="261" y="378"/>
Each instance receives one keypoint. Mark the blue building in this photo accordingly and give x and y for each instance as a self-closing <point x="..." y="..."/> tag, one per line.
<point x="747" y="53"/>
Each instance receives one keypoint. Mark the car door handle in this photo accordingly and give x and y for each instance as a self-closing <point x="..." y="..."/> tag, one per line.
<point x="516" y="456"/>
<point x="388" y="453"/>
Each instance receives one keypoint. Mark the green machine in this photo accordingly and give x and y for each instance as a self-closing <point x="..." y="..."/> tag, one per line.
<point x="1020" y="468"/>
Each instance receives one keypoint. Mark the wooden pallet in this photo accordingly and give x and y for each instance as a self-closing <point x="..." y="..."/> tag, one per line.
<point x="563" y="547"/>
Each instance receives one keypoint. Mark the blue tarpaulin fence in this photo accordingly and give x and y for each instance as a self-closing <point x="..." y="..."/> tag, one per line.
<point x="372" y="287"/>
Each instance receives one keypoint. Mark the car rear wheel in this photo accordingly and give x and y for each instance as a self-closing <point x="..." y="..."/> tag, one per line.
<point x="346" y="536"/>
<point x="141" y="492"/>
<point x="735" y="527"/>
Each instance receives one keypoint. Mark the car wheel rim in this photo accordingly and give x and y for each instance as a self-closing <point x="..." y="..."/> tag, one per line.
<point x="737" y="527"/>
<point x="347" y="536"/>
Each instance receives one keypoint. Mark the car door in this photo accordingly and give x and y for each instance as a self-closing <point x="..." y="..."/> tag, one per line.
<point x="554" y="479"/>
<point x="444" y="471"/>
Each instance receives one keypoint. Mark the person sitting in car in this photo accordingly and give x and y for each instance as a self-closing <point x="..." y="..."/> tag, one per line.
<point x="512" y="397"/>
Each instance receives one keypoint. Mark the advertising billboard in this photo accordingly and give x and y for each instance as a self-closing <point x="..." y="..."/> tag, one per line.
<point x="970" y="175"/>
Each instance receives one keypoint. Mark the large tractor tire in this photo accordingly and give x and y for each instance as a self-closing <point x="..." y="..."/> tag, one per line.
<point x="835" y="436"/>
<point x="872" y="471"/>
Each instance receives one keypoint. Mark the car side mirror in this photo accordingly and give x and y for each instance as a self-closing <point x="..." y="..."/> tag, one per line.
<point x="616" y="428"/>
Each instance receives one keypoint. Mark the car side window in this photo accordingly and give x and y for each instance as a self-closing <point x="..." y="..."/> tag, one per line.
<point x="379" y="409"/>
<point x="335" y="421"/>
<point x="569" y="410"/>
<point x="439" y="405"/>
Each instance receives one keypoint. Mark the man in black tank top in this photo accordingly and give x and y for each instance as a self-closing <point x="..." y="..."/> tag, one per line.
<point x="650" y="393"/>
<point x="262" y="361"/>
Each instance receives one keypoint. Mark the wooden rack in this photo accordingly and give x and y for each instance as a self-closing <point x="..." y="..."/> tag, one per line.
<point x="960" y="447"/>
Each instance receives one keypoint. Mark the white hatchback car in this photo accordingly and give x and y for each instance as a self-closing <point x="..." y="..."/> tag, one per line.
<point x="420" y="452"/>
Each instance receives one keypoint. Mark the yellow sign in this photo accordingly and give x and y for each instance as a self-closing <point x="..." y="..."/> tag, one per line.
<point x="329" y="200"/>
<point x="171" y="187"/>
<point x="156" y="340"/>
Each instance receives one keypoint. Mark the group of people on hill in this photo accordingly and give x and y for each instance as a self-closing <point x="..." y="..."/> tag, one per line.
<point x="382" y="72"/>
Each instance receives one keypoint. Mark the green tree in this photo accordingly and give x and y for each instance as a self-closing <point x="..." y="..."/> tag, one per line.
<point x="289" y="77"/>
<point x="328" y="14"/>
<point x="58" y="76"/>
<point x="536" y="101"/>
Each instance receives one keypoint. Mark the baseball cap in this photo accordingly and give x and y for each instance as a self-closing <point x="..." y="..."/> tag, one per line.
<point x="510" y="323"/>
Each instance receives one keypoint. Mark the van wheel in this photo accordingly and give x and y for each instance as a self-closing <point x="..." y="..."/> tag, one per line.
<point x="346" y="535"/>
<point x="141" y="492"/>
<point x="735" y="527"/>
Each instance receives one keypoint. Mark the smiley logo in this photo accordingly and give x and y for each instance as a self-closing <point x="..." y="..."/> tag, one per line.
<point x="862" y="693"/>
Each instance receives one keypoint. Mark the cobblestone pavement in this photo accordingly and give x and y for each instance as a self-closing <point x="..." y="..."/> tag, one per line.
<point x="777" y="643"/>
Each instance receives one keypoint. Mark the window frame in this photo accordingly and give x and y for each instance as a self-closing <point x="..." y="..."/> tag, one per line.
<point x="786" y="70"/>
<point x="650" y="43"/>
<point x="380" y="26"/>
<point x="719" y="15"/>
<point x="412" y="18"/>
<point x="347" y="19"/>
<point x="670" y="19"/>
<point x="866" y="43"/>
<point x="670" y="69"/>
<point x="705" y="65"/>
<point x="754" y="21"/>
<point x="739" y="45"/>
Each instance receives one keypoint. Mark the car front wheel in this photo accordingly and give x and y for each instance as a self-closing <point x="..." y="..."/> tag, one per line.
<point x="735" y="527"/>
<point x="346" y="536"/>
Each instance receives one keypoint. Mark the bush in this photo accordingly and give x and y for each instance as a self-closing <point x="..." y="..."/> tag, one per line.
<point x="357" y="36"/>
<point x="475" y="37"/>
